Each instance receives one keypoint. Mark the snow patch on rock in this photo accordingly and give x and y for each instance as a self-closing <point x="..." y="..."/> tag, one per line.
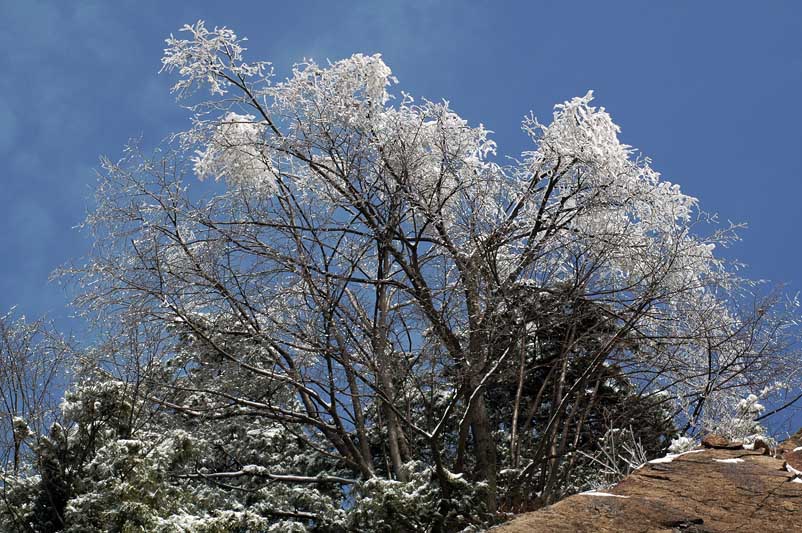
<point x="671" y="456"/>
<point x="603" y="494"/>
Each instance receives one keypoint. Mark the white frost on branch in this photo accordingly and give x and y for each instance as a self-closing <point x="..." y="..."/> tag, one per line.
<point x="236" y="152"/>
<point x="210" y="57"/>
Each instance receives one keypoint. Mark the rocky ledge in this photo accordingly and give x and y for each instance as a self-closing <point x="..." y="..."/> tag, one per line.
<point x="720" y="488"/>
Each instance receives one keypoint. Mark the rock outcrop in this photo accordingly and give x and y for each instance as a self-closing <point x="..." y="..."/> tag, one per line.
<point x="721" y="488"/>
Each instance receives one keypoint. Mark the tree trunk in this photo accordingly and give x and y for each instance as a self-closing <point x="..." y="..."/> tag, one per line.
<point x="380" y="350"/>
<point x="485" y="448"/>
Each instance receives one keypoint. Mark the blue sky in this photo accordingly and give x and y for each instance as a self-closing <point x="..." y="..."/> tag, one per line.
<point x="711" y="91"/>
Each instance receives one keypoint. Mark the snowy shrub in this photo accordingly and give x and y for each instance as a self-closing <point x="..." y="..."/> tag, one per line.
<point x="682" y="444"/>
<point x="383" y="506"/>
<point x="735" y="419"/>
<point x="620" y="452"/>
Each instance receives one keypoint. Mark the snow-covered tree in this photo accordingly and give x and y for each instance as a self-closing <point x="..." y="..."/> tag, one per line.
<point x="33" y="361"/>
<point x="364" y="284"/>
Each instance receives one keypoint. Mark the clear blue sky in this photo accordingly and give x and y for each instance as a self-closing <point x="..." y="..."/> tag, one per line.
<point x="712" y="91"/>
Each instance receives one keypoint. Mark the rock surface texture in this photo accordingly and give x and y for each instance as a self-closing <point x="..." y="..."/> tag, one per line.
<point x="717" y="489"/>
